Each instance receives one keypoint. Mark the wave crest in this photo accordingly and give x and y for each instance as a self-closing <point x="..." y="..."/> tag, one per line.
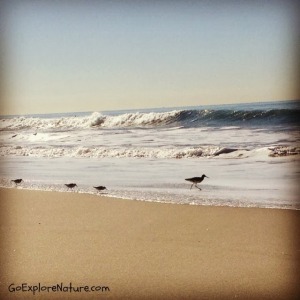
<point x="185" y="118"/>
<point x="96" y="119"/>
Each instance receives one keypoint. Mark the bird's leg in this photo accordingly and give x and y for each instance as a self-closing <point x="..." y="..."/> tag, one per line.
<point x="191" y="186"/>
<point x="197" y="186"/>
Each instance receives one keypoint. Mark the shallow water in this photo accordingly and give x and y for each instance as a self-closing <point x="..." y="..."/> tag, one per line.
<point x="246" y="182"/>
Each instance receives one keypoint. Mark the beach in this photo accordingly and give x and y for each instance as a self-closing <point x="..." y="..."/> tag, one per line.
<point x="149" y="150"/>
<point x="144" y="250"/>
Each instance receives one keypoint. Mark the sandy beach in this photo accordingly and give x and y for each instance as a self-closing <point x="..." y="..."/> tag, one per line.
<point x="143" y="250"/>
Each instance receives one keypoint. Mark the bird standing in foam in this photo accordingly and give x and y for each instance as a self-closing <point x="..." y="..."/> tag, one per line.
<point x="71" y="185"/>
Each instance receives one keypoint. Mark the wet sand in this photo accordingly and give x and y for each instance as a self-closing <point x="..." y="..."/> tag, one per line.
<point x="144" y="250"/>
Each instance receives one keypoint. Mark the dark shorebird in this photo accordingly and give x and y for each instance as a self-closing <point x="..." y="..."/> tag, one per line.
<point x="100" y="188"/>
<point x="196" y="180"/>
<point x="70" y="185"/>
<point x="17" y="181"/>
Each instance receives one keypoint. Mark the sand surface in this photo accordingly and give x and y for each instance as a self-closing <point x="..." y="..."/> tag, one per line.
<point x="144" y="250"/>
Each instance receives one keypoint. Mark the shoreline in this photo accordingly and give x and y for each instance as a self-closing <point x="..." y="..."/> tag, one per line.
<point x="146" y="250"/>
<point x="141" y="200"/>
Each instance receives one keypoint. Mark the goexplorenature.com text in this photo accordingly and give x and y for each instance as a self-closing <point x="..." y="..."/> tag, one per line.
<point x="56" y="288"/>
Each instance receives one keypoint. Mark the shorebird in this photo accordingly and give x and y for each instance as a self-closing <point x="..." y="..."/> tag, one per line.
<point x="100" y="188"/>
<point x="70" y="185"/>
<point x="196" y="180"/>
<point x="17" y="181"/>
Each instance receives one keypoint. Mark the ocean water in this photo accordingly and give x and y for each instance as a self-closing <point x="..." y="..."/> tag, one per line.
<point x="250" y="152"/>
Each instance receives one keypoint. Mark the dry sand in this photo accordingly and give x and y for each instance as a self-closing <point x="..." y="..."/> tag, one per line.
<point x="143" y="250"/>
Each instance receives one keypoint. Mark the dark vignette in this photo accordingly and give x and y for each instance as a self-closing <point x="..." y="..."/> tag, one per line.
<point x="4" y="70"/>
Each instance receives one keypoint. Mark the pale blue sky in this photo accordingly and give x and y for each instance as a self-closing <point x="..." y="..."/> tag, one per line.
<point x="101" y="55"/>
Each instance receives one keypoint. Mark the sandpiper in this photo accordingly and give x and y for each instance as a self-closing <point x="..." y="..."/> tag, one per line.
<point x="196" y="180"/>
<point x="70" y="185"/>
<point x="17" y="181"/>
<point x="100" y="188"/>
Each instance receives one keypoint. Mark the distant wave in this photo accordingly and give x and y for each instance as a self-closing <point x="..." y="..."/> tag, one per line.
<point x="184" y="118"/>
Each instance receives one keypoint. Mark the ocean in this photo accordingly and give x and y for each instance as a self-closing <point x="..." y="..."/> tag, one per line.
<point x="250" y="152"/>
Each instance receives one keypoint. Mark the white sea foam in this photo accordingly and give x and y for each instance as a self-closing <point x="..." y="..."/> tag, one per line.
<point x="95" y="119"/>
<point x="101" y="152"/>
<point x="133" y="119"/>
<point x="145" y="152"/>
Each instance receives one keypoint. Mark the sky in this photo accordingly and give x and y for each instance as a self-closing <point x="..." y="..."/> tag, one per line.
<point x="68" y="56"/>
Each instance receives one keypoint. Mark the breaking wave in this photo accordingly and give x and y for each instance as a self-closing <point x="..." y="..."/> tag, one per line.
<point x="145" y="152"/>
<point x="184" y="118"/>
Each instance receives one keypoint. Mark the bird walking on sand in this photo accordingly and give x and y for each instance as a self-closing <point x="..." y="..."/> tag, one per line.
<point x="196" y="180"/>
<point x="100" y="188"/>
<point x="70" y="185"/>
<point x="17" y="181"/>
